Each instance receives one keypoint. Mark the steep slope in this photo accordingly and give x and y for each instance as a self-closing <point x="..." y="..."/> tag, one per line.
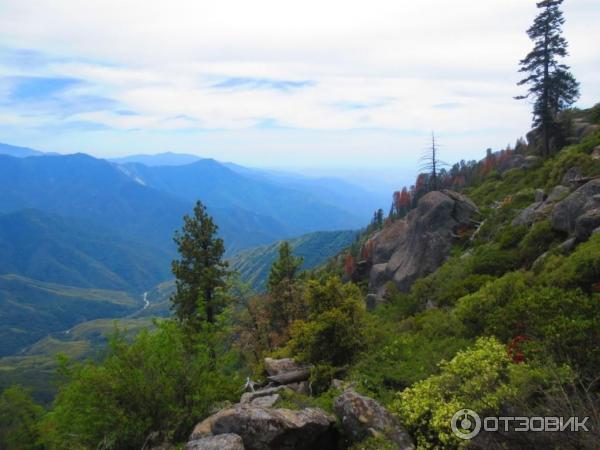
<point x="316" y="248"/>
<point x="49" y="248"/>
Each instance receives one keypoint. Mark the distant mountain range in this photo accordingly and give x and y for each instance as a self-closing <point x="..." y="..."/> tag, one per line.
<point x="159" y="159"/>
<point x="74" y="225"/>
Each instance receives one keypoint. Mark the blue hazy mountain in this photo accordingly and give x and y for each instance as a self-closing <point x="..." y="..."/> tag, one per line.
<point x="159" y="159"/>
<point x="53" y="249"/>
<point x="18" y="152"/>
<point x="299" y="207"/>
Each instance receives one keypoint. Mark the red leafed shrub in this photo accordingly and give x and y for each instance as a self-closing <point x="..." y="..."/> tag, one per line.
<point x="515" y="350"/>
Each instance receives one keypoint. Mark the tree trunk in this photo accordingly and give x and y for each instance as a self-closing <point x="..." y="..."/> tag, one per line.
<point x="291" y="377"/>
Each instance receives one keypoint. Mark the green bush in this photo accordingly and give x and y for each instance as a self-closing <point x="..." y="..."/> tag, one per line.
<point x="161" y="382"/>
<point x="334" y="332"/>
<point x="511" y="236"/>
<point x="538" y="240"/>
<point x="581" y="269"/>
<point x="482" y="378"/>
<point x="474" y="311"/>
<point x="477" y="378"/>
<point x="19" y="420"/>
<point x="491" y="260"/>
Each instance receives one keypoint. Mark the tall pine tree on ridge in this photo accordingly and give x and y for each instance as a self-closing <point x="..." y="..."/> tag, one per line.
<point x="552" y="86"/>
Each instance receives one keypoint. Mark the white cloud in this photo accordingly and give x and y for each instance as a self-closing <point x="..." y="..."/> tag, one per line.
<point x="380" y="65"/>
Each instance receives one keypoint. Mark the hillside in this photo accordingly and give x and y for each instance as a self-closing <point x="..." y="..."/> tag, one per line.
<point x="31" y="309"/>
<point x="49" y="248"/>
<point x="482" y="292"/>
<point x="315" y="248"/>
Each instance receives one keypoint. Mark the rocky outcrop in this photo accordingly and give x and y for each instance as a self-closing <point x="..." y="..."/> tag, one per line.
<point x="542" y="207"/>
<point x="362" y="417"/>
<point x="268" y="428"/>
<point x="416" y="246"/>
<point x="279" y="366"/>
<point x="220" y="442"/>
<point x="579" y="213"/>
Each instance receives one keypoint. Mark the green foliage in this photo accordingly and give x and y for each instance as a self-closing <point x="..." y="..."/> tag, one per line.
<point x="573" y="156"/>
<point x="536" y="242"/>
<point x="161" y="382"/>
<point x="560" y="323"/>
<point x="581" y="269"/>
<point x="477" y="378"/>
<point x="375" y="443"/>
<point x="509" y="237"/>
<point x="315" y="249"/>
<point x="19" y="420"/>
<point x="285" y="268"/>
<point x="453" y="280"/>
<point x="552" y="86"/>
<point x="473" y="310"/>
<point x="407" y="352"/>
<point x="334" y="332"/>
<point x="491" y="260"/>
<point x="201" y="269"/>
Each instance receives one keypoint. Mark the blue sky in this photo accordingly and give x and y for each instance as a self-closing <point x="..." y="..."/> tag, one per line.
<point x="306" y="85"/>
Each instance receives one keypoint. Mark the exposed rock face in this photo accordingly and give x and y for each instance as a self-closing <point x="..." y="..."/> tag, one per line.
<point x="279" y="366"/>
<point x="266" y="428"/>
<point x="542" y="207"/>
<point x="579" y="213"/>
<point x="362" y="417"/>
<point x="287" y="372"/>
<point x="220" y="442"/>
<point x="248" y="397"/>
<point x="418" y="245"/>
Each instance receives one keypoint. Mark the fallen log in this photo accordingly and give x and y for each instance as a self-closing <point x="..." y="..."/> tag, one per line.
<point x="291" y="377"/>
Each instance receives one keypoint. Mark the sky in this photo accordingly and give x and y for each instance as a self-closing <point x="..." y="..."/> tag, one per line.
<point x="311" y="85"/>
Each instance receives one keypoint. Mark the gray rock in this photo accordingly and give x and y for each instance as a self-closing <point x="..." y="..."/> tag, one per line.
<point x="417" y="245"/>
<point x="248" y="397"/>
<point x="268" y="428"/>
<point x="574" y="214"/>
<point x="531" y="214"/>
<point x="596" y="153"/>
<point x="540" y="195"/>
<point x="530" y="161"/>
<point x="571" y="176"/>
<point x="586" y="224"/>
<point x="373" y="300"/>
<point x="227" y="441"/>
<point x="568" y="246"/>
<point x="266" y="401"/>
<point x="303" y="387"/>
<point x="362" y="417"/>
<point x="558" y="193"/>
<point x="279" y="366"/>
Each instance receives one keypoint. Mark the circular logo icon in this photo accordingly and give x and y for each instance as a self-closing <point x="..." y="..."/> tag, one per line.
<point x="466" y="424"/>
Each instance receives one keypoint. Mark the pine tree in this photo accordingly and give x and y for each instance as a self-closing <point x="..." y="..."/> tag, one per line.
<point x="201" y="269"/>
<point x="552" y="86"/>
<point x="285" y="268"/>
